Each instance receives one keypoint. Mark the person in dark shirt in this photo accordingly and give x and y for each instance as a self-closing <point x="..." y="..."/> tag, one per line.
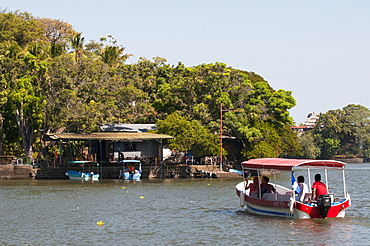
<point x="266" y="187"/>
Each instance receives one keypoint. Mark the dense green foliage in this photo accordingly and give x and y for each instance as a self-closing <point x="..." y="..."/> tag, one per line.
<point x="339" y="133"/>
<point x="52" y="81"/>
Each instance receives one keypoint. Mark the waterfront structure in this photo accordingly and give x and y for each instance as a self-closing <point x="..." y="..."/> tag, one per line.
<point x="308" y="124"/>
<point x="116" y="142"/>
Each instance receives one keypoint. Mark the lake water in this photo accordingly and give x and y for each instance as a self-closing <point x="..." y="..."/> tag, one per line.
<point x="165" y="212"/>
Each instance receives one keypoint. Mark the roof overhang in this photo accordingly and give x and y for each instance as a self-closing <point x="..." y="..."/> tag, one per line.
<point x="114" y="136"/>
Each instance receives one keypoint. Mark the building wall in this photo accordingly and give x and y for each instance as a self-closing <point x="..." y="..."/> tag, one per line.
<point x="133" y="149"/>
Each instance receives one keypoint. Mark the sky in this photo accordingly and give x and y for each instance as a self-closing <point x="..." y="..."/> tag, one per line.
<point x="318" y="49"/>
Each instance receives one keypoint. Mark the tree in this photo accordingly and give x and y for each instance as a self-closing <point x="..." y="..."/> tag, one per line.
<point x="20" y="27"/>
<point x="356" y="127"/>
<point x="310" y="149"/>
<point x="76" y="44"/>
<point x="270" y="104"/>
<point x="57" y="31"/>
<point x="112" y="55"/>
<point x="79" y="96"/>
<point x="270" y="139"/>
<point x="189" y="135"/>
<point x="25" y="100"/>
<point x="344" y="132"/>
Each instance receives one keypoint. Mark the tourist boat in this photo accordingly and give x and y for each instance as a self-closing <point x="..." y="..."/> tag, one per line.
<point x="88" y="176"/>
<point x="131" y="170"/>
<point x="284" y="203"/>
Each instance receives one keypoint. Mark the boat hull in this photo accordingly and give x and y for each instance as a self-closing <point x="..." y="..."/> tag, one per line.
<point x="132" y="176"/>
<point x="266" y="207"/>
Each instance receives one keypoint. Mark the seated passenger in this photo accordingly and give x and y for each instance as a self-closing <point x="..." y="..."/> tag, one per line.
<point x="266" y="187"/>
<point x="318" y="188"/>
<point x="303" y="189"/>
<point x="253" y="187"/>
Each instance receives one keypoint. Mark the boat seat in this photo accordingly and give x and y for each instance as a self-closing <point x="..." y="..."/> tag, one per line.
<point x="273" y="196"/>
<point x="281" y="197"/>
<point x="306" y="196"/>
<point x="269" y="196"/>
<point x="284" y="197"/>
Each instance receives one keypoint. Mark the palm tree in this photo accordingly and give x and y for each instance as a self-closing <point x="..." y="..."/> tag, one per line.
<point x="56" y="49"/>
<point x="76" y="43"/>
<point x="113" y="55"/>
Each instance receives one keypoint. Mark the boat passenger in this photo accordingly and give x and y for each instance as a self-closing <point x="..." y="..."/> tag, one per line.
<point x="131" y="169"/>
<point x="303" y="188"/>
<point x="266" y="187"/>
<point x="318" y="188"/>
<point x="253" y="187"/>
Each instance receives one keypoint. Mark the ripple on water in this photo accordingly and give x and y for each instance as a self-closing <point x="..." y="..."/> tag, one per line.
<point x="160" y="212"/>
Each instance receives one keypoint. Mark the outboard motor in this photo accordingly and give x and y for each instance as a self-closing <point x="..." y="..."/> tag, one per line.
<point x="324" y="204"/>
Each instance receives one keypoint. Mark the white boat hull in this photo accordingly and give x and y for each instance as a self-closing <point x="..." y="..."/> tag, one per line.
<point x="132" y="176"/>
<point x="270" y="211"/>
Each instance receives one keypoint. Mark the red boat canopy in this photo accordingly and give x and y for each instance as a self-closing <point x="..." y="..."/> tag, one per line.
<point x="289" y="164"/>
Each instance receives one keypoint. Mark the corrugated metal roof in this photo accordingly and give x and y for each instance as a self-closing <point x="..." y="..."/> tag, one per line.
<point x="107" y="136"/>
<point x="127" y="127"/>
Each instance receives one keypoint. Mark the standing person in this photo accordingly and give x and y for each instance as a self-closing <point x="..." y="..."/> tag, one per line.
<point x="318" y="188"/>
<point x="302" y="187"/>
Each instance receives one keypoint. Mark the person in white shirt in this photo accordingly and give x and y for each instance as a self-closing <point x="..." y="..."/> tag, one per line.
<point x="303" y="188"/>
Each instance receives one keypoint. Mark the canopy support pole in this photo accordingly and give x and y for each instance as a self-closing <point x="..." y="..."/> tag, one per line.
<point x="344" y="184"/>
<point x="309" y="178"/>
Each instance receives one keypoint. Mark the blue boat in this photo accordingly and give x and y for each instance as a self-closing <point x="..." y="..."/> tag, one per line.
<point x="235" y="171"/>
<point x="131" y="170"/>
<point x="75" y="175"/>
<point x="88" y="176"/>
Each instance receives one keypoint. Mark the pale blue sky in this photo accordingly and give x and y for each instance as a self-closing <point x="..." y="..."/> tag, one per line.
<point x="318" y="49"/>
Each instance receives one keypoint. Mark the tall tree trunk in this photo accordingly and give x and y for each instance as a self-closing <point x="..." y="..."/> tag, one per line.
<point x="2" y="135"/>
<point x="26" y="131"/>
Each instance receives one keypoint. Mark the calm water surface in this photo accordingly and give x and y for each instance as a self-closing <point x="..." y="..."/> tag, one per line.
<point x="165" y="212"/>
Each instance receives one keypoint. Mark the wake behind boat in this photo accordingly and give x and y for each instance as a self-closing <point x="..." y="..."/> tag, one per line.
<point x="285" y="203"/>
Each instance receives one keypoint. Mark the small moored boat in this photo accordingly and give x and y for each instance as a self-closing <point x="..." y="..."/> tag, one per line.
<point x="131" y="170"/>
<point x="76" y="175"/>
<point x="285" y="203"/>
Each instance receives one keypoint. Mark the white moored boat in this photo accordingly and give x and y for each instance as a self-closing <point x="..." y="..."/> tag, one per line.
<point x="75" y="175"/>
<point x="284" y="202"/>
<point x="131" y="170"/>
<point x="88" y="176"/>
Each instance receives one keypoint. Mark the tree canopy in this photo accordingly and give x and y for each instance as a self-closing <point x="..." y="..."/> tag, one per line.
<point x="341" y="132"/>
<point x="52" y="80"/>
